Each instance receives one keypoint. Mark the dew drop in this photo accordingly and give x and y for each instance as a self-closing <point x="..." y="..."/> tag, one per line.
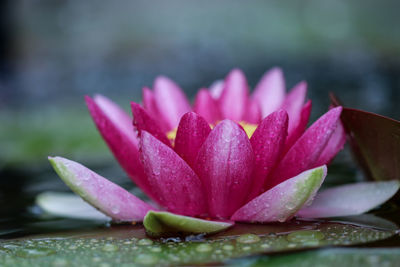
<point x="156" y="249"/>
<point x="34" y="252"/>
<point x="204" y="248"/>
<point x="146" y="259"/>
<point x="305" y="236"/>
<point x="60" y="263"/>
<point x="115" y="209"/>
<point x="145" y="242"/>
<point x="248" y="239"/>
<point x="228" y="247"/>
<point x="110" y="247"/>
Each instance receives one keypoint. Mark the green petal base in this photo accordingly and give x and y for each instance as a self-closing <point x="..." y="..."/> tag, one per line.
<point x="166" y="223"/>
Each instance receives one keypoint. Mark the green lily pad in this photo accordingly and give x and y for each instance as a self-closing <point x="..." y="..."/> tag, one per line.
<point x="127" y="245"/>
<point x="166" y="223"/>
<point x="331" y="257"/>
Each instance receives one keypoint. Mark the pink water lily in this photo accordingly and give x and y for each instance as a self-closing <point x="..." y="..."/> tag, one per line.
<point x="231" y="157"/>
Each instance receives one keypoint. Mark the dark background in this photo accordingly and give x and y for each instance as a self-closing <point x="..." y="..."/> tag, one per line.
<point x="53" y="52"/>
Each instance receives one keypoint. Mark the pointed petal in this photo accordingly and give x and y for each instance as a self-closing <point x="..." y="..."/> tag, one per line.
<point x="233" y="100"/>
<point x="117" y="130"/>
<point x="68" y="205"/>
<point x="268" y="142"/>
<point x="293" y="104"/>
<point x="224" y="165"/>
<point x="176" y="185"/>
<point x="335" y="144"/>
<point x="253" y="112"/>
<point x="305" y="152"/>
<point x="171" y="101"/>
<point x="351" y="199"/>
<point x="216" y="89"/>
<point x="299" y="129"/>
<point x="283" y="201"/>
<point x="149" y="102"/>
<point x="270" y="91"/>
<point x="150" y="105"/>
<point x="191" y="134"/>
<point x="109" y="198"/>
<point x="165" y="223"/>
<point x="144" y="122"/>
<point x="206" y="106"/>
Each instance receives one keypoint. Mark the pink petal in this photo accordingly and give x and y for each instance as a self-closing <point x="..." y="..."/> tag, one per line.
<point x="351" y="199"/>
<point x="216" y="89"/>
<point x="224" y="165"/>
<point x="253" y="112"/>
<point x="335" y="144"/>
<point x="176" y="185"/>
<point x="150" y="105"/>
<point x="293" y="104"/>
<point x="191" y="134"/>
<point x="270" y="91"/>
<point x="149" y="102"/>
<point x="109" y="198"/>
<point x="283" y="201"/>
<point x="171" y="101"/>
<point x="299" y="129"/>
<point x="268" y="142"/>
<point x="304" y="154"/>
<point x="116" y="128"/>
<point x="144" y="122"/>
<point x="206" y="106"/>
<point x="233" y="101"/>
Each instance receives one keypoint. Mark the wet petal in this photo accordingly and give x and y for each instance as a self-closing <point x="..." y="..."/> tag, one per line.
<point x="299" y="129"/>
<point x="206" y="106"/>
<point x="351" y="199"/>
<point x="282" y="201"/>
<point x="224" y="165"/>
<point x="109" y="198"/>
<point x="165" y="223"/>
<point x="117" y="130"/>
<point x="233" y="100"/>
<point x="270" y="91"/>
<point x="144" y="122"/>
<point x="304" y="154"/>
<point x="268" y="142"/>
<point x="176" y="185"/>
<point x="335" y="144"/>
<point x="293" y="104"/>
<point x="191" y="134"/>
<point x="171" y="101"/>
<point x="150" y="105"/>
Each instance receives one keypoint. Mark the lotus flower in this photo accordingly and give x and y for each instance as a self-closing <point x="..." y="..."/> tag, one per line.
<point x="231" y="157"/>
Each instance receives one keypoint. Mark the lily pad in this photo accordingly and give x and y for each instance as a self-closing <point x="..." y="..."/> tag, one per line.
<point x="126" y="245"/>
<point x="166" y="223"/>
<point x="375" y="142"/>
<point x="332" y="257"/>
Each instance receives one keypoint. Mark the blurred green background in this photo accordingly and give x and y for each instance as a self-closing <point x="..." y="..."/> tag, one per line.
<point x="55" y="52"/>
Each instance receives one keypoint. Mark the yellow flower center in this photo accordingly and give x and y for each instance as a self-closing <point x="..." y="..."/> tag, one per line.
<point x="248" y="128"/>
<point x="171" y="135"/>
